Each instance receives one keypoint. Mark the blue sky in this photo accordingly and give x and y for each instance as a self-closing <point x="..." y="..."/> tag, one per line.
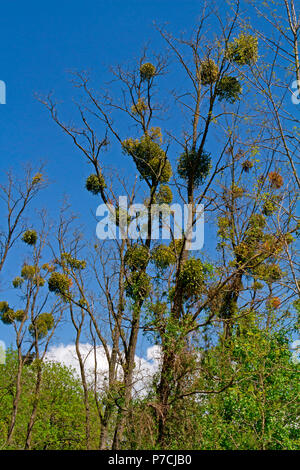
<point x="39" y="43"/>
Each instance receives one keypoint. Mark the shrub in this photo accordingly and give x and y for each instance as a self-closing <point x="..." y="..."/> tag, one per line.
<point x="140" y="107"/>
<point x="209" y="72"/>
<point x="59" y="283"/>
<point x="43" y="323"/>
<point x="19" y="315"/>
<point x="191" y="165"/>
<point x="247" y="165"/>
<point x="150" y="159"/>
<point x="269" y="272"/>
<point x="37" y="178"/>
<point x="8" y="316"/>
<point x="137" y="257"/>
<point x="274" y="302"/>
<point x="163" y="256"/>
<point x="191" y="277"/>
<point x="243" y="50"/>
<point x="94" y="184"/>
<point x="28" y="272"/>
<point x="228" y="89"/>
<point x="73" y="262"/>
<point x="273" y="272"/>
<point x="137" y="286"/>
<point x="257" y="285"/>
<point x="40" y="281"/>
<point x="147" y="71"/>
<point x="164" y="195"/>
<point x="176" y="246"/>
<point x="276" y="179"/>
<point x="269" y="207"/>
<point x="3" y="306"/>
<point x="224" y="228"/>
<point x="17" y="282"/>
<point x="30" y="237"/>
<point x="48" y="267"/>
<point x="257" y="221"/>
<point x="237" y="191"/>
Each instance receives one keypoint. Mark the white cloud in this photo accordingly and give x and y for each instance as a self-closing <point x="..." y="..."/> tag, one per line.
<point x="144" y="368"/>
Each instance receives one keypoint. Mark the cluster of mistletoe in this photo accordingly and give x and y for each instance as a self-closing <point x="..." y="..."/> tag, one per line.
<point x="95" y="183"/>
<point x="30" y="237"/>
<point x="60" y="284"/>
<point x="137" y="285"/>
<point x="150" y="159"/>
<point x="195" y="166"/>
<point x="147" y="71"/>
<point x="41" y="326"/>
<point x="29" y="273"/>
<point x="243" y="51"/>
<point x="8" y="315"/>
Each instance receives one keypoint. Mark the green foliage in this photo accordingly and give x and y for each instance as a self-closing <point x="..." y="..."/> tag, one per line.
<point x="164" y="195"/>
<point x="7" y="314"/>
<point x="163" y="256"/>
<point x="30" y="237"/>
<point x="269" y="207"/>
<point x="224" y="227"/>
<point x="243" y="50"/>
<point x="28" y="272"/>
<point x="269" y="272"/>
<point x="229" y="89"/>
<point x="38" y="178"/>
<point x="191" y="165"/>
<point x="191" y="277"/>
<point x="95" y="184"/>
<point x="237" y="191"/>
<point x="3" y="306"/>
<point x="270" y="203"/>
<point x="209" y="72"/>
<point x="138" y="286"/>
<point x="17" y="282"/>
<point x="140" y="107"/>
<point x="60" y="421"/>
<point x="147" y="71"/>
<point x="42" y="325"/>
<point x="19" y="315"/>
<point x="59" y="284"/>
<point x="256" y="410"/>
<point x="137" y="257"/>
<point x="247" y="165"/>
<point x="150" y="159"/>
<point x="73" y="262"/>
